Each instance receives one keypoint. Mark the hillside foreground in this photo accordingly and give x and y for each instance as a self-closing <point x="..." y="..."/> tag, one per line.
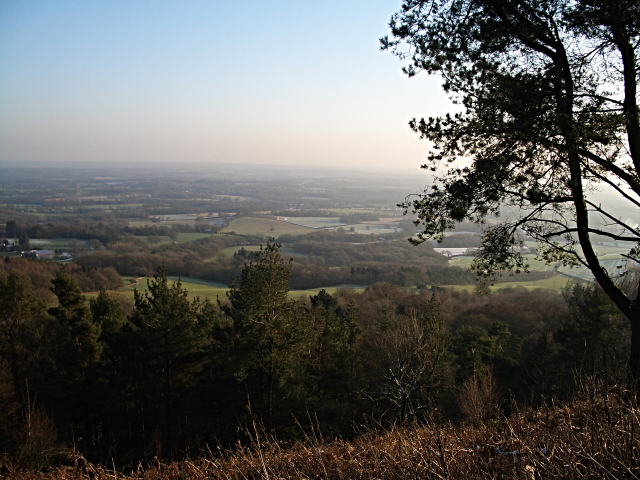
<point x="597" y="435"/>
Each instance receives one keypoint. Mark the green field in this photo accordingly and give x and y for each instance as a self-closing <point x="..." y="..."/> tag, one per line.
<point x="605" y="254"/>
<point x="557" y="283"/>
<point x="200" y="289"/>
<point x="265" y="227"/>
<point x="212" y="290"/>
<point x="182" y="238"/>
<point x="537" y="265"/>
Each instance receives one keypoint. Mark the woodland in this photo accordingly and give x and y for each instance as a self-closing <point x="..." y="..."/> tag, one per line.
<point x="394" y="362"/>
<point x="168" y="378"/>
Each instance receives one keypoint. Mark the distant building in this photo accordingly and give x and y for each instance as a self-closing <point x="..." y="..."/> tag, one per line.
<point x="39" y="254"/>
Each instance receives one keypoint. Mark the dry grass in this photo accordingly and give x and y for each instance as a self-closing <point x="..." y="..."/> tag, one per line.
<point x="594" y="437"/>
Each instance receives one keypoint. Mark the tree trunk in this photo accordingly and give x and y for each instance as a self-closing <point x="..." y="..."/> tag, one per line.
<point x="634" y="358"/>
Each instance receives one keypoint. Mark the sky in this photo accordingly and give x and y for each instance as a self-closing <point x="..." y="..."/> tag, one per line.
<point x="244" y="82"/>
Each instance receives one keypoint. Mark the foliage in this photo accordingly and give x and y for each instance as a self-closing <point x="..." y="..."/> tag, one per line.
<point x="550" y="111"/>
<point x="39" y="275"/>
<point x="595" y="336"/>
<point x="171" y="348"/>
<point x="272" y="333"/>
<point x="79" y="346"/>
<point x="176" y="376"/>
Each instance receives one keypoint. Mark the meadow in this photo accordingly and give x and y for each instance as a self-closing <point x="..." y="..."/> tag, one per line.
<point x="212" y="290"/>
<point x="537" y="265"/>
<point x="610" y="257"/>
<point x="194" y="287"/>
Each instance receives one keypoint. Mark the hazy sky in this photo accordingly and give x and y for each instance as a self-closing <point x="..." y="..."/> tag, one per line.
<point x="275" y="82"/>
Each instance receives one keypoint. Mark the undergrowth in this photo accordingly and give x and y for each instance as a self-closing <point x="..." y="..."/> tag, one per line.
<point x="594" y="436"/>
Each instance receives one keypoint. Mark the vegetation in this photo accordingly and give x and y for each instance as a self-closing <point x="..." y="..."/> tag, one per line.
<point x="40" y="274"/>
<point x="594" y="436"/>
<point x="207" y="365"/>
<point x="550" y="100"/>
<point x="177" y="375"/>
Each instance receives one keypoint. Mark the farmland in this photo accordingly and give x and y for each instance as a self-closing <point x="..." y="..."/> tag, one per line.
<point x="252" y="226"/>
<point x="208" y="228"/>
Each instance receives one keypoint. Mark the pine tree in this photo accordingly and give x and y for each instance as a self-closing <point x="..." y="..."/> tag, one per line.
<point x="79" y="347"/>
<point x="19" y="312"/>
<point x="272" y="333"/>
<point x="172" y="340"/>
<point x="107" y="313"/>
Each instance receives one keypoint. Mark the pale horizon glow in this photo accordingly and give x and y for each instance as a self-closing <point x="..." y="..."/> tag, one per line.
<point x="243" y="82"/>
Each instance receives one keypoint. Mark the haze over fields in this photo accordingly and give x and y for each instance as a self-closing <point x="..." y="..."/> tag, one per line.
<point x="245" y="82"/>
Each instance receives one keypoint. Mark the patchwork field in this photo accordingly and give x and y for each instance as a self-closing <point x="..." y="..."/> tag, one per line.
<point x="313" y="222"/>
<point x="265" y="227"/>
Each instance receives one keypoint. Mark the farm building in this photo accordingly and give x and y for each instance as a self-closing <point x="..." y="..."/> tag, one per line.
<point x="39" y="254"/>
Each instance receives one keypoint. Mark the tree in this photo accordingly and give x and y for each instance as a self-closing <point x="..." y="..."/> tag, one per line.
<point x="107" y="312"/>
<point x="172" y="341"/>
<point x="414" y="357"/>
<point x="20" y="310"/>
<point x="332" y="359"/>
<point x="550" y="113"/>
<point x="78" y="346"/>
<point x="271" y="331"/>
<point x="594" y="337"/>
